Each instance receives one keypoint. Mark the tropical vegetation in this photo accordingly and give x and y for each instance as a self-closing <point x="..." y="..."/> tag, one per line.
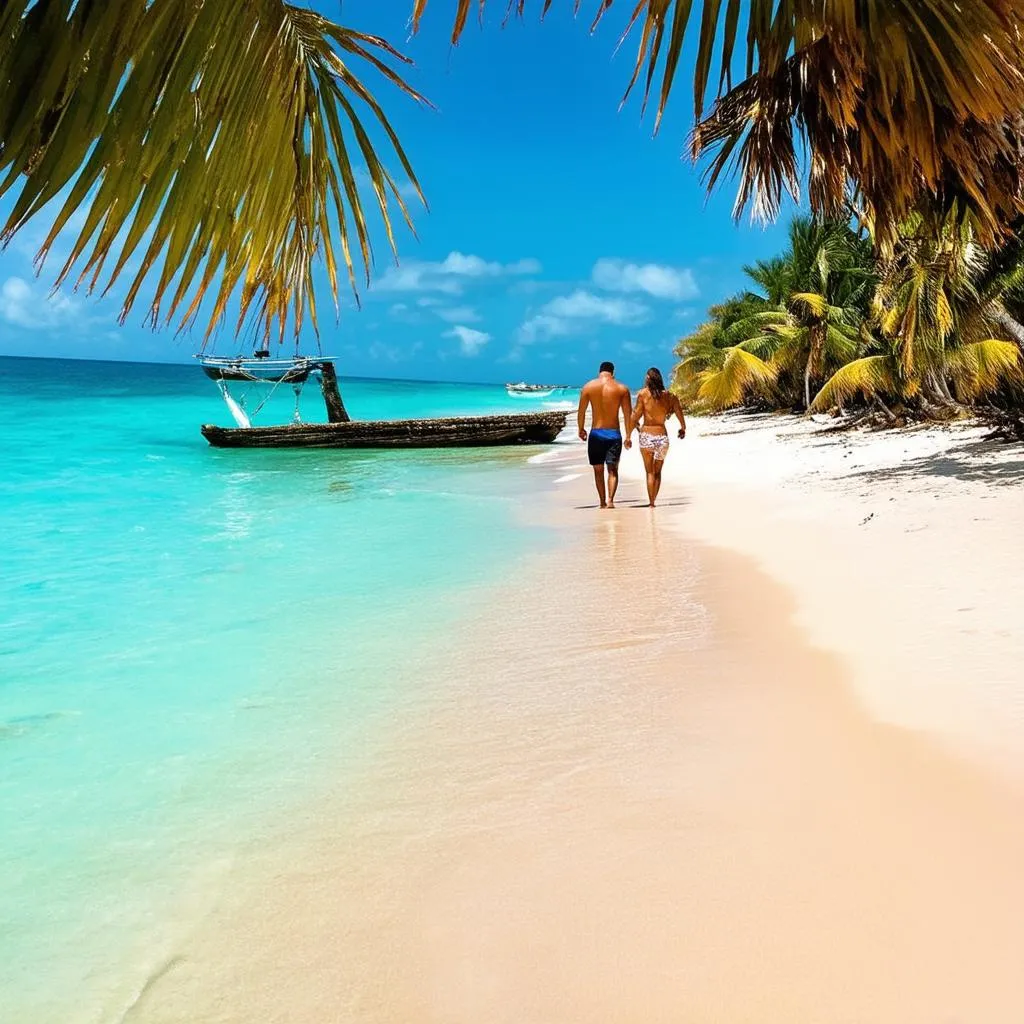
<point x="232" y="143"/>
<point x="832" y="324"/>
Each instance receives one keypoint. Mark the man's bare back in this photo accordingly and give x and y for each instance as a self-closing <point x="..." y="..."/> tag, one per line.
<point x="606" y="398"/>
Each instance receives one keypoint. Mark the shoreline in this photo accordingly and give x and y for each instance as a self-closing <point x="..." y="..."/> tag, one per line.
<point x="592" y="814"/>
<point x="902" y="551"/>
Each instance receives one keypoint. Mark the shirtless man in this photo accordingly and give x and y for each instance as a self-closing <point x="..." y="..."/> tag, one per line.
<point x="606" y="397"/>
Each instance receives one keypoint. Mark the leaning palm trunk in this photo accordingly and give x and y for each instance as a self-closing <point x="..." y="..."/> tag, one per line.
<point x="1011" y="326"/>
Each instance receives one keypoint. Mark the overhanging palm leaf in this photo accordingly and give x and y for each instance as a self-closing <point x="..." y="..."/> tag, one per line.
<point x="220" y="140"/>
<point x="907" y="99"/>
<point x="865" y="378"/>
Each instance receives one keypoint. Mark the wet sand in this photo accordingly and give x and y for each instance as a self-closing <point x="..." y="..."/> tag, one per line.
<point x="628" y="790"/>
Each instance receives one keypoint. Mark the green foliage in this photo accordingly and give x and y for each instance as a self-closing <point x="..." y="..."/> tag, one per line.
<point x="804" y="324"/>
<point x="833" y="325"/>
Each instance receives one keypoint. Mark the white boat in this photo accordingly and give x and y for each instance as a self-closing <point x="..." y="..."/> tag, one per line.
<point x="524" y="390"/>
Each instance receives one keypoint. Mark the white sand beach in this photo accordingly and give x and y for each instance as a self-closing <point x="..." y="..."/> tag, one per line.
<point x="666" y="779"/>
<point x="902" y="550"/>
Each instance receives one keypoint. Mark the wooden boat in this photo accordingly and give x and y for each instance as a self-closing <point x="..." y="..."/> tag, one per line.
<point x="455" y="432"/>
<point x="340" y="431"/>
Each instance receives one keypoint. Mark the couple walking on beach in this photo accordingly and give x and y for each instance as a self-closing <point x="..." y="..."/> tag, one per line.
<point x="605" y="397"/>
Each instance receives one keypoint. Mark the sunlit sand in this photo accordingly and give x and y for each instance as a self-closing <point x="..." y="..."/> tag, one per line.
<point x="596" y="811"/>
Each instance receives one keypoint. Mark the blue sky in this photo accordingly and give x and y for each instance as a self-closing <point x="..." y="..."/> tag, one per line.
<point x="560" y="233"/>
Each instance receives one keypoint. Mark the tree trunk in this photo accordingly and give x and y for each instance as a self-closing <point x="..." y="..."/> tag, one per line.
<point x="885" y="409"/>
<point x="336" y="411"/>
<point x="1014" y="329"/>
<point x="813" y="360"/>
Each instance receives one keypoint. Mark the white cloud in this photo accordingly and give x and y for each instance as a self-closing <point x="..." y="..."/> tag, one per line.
<point x="524" y="267"/>
<point x="23" y="304"/>
<point x="416" y="277"/>
<point x="566" y="313"/>
<point x="468" y="266"/>
<point x="449" y="276"/>
<point x="543" y="326"/>
<point x="470" y="340"/>
<point x="583" y="305"/>
<point x="458" y="314"/>
<point x="656" y="280"/>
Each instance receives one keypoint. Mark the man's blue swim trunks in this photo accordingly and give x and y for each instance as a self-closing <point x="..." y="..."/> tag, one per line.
<point x="604" y="447"/>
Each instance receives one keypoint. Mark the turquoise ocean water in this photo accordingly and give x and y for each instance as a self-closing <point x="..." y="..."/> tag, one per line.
<point x="190" y="639"/>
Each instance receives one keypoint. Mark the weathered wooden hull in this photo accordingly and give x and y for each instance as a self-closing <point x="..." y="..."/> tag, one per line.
<point x="458" y="432"/>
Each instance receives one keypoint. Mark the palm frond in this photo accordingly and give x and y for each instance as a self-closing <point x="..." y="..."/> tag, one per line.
<point x="815" y="304"/>
<point x="774" y="276"/>
<point x="950" y="145"/>
<point x="754" y="325"/>
<point x="222" y="142"/>
<point x="980" y="368"/>
<point x="841" y="343"/>
<point x="765" y="344"/>
<point x="742" y="374"/>
<point x="862" y="378"/>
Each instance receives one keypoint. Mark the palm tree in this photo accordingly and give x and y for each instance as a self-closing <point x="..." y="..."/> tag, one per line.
<point x="976" y="370"/>
<point x="819" y="336"/>
<point x="936" y="314"/>
<point x="802" y="328"/>
<point x="222" y="141"/>
<point x="717" y="368"/>
<point x="817" y="294"/>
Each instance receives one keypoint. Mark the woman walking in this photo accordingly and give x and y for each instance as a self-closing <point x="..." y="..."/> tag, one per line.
<point x="654" y="405"/>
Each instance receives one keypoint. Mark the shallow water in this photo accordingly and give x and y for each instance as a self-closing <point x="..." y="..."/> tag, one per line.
<point x="192" y="638"/>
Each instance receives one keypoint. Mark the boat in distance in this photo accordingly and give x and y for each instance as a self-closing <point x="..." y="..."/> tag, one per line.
<point x="451" y="432"/>
<point x="522" y="389"/>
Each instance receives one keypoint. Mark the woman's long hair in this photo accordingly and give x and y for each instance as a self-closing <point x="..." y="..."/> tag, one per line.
<point x="654" y="383"/>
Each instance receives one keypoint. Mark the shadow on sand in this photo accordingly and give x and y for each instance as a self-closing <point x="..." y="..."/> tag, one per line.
<point x="966" y="462"/>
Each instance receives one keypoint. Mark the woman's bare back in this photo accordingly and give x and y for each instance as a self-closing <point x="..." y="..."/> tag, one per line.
<point x="653" y="411"/>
